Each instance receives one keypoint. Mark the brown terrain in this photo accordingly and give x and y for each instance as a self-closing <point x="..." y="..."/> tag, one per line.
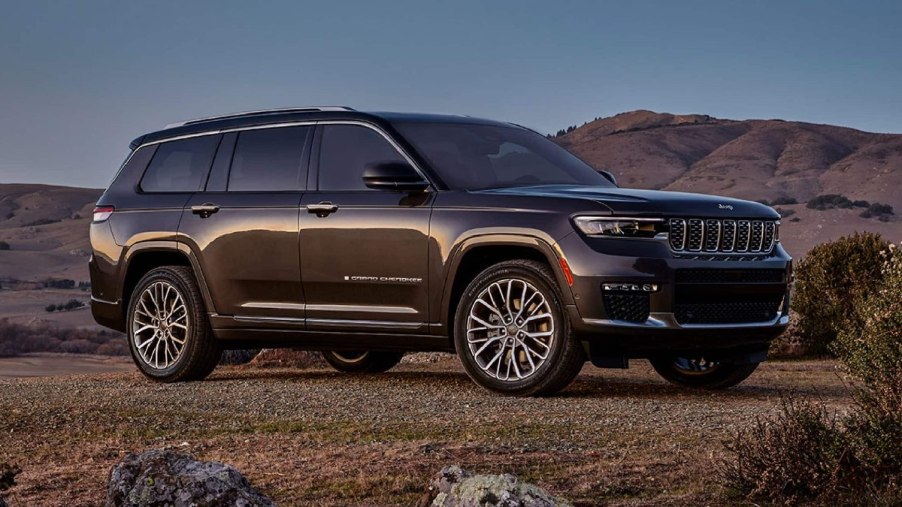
<point x="317" y="437"/>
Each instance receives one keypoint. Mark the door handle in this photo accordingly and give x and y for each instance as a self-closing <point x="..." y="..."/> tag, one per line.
<point x="322" y="209"/>
<point x="204" y="210"/>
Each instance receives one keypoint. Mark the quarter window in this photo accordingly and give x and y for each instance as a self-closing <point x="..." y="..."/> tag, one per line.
<point x="180" y="166"/>
<point x="346" y="150"/>
<point x="269" y="159"/>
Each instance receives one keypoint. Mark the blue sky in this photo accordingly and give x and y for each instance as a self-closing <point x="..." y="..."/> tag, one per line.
<point x="79" y="80"/>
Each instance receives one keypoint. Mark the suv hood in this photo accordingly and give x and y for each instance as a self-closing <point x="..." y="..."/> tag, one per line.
<point x="648" y="202"/>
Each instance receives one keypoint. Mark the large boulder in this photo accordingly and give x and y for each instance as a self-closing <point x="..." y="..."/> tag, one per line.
<point x="454" y="487"/>
<point x="167" y="478"/>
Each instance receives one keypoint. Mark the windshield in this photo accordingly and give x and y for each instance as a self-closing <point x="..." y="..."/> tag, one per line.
<point x="474" y="157"/>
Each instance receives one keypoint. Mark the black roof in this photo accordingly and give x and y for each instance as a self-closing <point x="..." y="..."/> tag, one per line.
<point x="254" y="118"/>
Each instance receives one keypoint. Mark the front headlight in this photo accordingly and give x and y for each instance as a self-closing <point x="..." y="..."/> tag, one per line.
<point x="620" y="227"/>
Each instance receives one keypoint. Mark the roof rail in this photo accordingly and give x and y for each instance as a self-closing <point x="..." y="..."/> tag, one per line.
<point x="307" y="109"/>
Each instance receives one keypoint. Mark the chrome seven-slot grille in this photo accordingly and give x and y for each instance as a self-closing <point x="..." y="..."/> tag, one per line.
<point x="722" y="235"/>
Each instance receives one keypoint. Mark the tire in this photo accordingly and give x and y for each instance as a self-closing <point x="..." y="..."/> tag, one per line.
<point x="362" y="361"/>
<point x="152" y="335"/>
<point x="491" y="349"/>
<point x="697" y="373"/>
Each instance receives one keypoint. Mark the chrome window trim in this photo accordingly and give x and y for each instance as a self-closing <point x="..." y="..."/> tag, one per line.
<point x="387" y="137"/>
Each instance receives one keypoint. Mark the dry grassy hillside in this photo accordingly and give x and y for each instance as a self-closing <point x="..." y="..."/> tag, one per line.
<point x="763" y="160"/>
<point x="46" y="228"/>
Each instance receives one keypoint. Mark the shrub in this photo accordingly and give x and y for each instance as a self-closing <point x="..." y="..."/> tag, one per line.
<point x="784" y="200"/>
<point x="794" y="458"/>
<point x="20" y="339"/>
<point x="826" y="280"/>
<point x="41" y="221"/>
<point x="871" y="350"/>
<point x="829" y="201"/>
<point x="808" y="455"/>
<point x="877" y="210"/>
<point x="4" y="245"/>
<point x="50" y="308"/>
<point x="860" y="204"/>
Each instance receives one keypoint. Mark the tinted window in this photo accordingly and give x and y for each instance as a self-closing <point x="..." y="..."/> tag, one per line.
<point x="469" y="156"/>
<point x="345" y="152"/>
<point x="269" y="159"/>
<point x="180" y="166"/>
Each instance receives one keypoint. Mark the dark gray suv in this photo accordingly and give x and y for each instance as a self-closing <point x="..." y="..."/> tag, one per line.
<point x="367" y="235"/>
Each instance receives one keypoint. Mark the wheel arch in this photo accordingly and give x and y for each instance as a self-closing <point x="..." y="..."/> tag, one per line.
<point x="476" y="254"/>
<point x="143" y="257"/>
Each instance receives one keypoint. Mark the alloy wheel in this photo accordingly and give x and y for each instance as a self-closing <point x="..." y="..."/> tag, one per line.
<point x="510" y="330"/>
<point x="160" y="325"/>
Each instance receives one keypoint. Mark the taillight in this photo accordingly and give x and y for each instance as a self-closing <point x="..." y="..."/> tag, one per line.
<point x="102" y="213"/>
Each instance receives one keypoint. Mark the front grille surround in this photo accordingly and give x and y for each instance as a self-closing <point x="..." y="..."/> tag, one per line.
<point x="715" y="235"/>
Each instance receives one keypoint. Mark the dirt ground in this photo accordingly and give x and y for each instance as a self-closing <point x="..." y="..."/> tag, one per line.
<point x="317" y="437"/>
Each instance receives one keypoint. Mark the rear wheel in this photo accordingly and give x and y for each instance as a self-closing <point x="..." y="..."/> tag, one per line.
<point x="701" y="373"/>
<point x="168" y="332"/>
<point x="511" y="332"/>
<point x="362" y="361"/>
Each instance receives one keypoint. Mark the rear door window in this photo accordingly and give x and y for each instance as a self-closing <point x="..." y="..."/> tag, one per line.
<point x="180" y="166"/>
<point x="270" y="159"/>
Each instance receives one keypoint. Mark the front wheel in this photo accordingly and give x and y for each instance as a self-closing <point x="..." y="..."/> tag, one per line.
<point x="701" y="373"/>
<point x="362" y="361"/>
<point x="511" y="332"/>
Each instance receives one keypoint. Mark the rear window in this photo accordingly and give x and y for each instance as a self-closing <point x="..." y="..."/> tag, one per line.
<point x="269" y="159"/>
<point x="180" y="166"/>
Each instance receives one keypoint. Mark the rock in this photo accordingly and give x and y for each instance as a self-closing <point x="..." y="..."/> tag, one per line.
<point x="164" y="477"/>
<point x="455" y="487"/>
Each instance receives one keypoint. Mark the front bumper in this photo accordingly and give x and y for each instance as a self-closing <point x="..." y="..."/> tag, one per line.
<point x="663" y="325"/>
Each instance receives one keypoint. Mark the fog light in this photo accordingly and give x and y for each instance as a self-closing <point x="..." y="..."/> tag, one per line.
<point x="630" y="287"/>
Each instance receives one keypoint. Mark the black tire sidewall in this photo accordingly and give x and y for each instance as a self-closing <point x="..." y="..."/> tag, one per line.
<point x="549" y="289"/>
<point x="373" y="362"/>
<point x="724" y="376"/>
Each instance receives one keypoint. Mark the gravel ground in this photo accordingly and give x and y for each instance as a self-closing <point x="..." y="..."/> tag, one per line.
<point x="614" y="437"/>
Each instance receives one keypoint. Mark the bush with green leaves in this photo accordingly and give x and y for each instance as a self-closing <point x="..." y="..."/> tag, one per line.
<point x="808" y="455"/>
<point x="827" y="282"/>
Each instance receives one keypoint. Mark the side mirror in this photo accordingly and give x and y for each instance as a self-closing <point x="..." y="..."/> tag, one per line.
<point x="609" y="175"/>
<point x="398" y="176"/>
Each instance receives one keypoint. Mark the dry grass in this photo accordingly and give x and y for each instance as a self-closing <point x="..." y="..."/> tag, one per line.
<point x="319" y="437"/>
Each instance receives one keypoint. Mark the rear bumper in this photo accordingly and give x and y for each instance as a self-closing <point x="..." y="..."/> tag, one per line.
<point x="108" y="314"/>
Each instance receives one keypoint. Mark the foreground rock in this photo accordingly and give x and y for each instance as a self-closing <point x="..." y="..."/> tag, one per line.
<point x="164" y="477"/>
<point x="454" y="487"/>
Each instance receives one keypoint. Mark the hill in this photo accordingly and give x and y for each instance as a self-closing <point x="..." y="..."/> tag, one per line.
<point x="762" y="160"/>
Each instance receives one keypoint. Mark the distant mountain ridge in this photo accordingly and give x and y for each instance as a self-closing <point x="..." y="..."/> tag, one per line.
<point x="761" y="160"/>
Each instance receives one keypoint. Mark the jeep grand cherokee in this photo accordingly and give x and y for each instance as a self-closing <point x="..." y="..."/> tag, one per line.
<point x="368" y="235"/>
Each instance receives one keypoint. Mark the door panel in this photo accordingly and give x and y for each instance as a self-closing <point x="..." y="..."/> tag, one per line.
<point x="248" y="252"/>
<point x="363" y="252"/>
<point x="366" y="261"/>
<point x="243" y="227"/>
